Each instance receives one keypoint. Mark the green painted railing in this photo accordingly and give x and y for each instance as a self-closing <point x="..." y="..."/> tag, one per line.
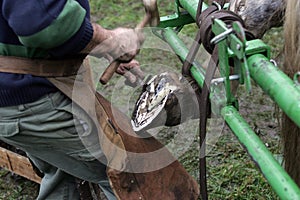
<point x="273" y="81"/>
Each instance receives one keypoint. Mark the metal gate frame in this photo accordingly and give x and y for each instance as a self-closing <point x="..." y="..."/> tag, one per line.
<point x="254" y="60"/>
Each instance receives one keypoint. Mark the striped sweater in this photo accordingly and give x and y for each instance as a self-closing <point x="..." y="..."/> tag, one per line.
<point x="39" y="29"/>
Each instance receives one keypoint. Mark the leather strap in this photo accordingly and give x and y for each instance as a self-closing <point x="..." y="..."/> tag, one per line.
<point x="195" y="46"/>
<point x="40" y="67"/>
<point x="186" y="72"/>
<point x="204" y="113"/>
<point x="204" y="35"/>
<point x="206" y="27"/>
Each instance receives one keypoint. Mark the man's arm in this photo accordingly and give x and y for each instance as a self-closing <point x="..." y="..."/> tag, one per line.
<point x="62" y="27"/>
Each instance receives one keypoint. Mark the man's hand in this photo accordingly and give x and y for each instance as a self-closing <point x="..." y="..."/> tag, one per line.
<point x="132" y="72"/>
<point x="121" y="43"/>
<point x="124" y="44"/>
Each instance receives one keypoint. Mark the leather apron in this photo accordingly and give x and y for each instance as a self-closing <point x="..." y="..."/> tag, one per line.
<point x="137" y="167"/>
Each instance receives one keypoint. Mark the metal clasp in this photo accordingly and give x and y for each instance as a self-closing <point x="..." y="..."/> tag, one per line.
<point x="221" y="36"/>
<point x="222" y="79"/>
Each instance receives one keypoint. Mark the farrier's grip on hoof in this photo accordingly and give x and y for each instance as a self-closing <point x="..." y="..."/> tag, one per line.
<point x="152" y="18"/>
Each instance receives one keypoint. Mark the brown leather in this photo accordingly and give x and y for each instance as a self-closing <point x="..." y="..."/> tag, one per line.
<point x="204" y="106"/>
<point x="40" y="67"/>
<point x="166" y="182"/>
<point x="131" y="175"/>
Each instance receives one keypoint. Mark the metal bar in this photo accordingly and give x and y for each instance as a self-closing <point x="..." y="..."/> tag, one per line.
<point x="276" y="84"/>
<point x="222" y="79"/>
<point x="181" y="50"/>
<point x="175" y="20"/>
<point x="182" y="18"/>
<point x="171" y="37"/>
<point x="191" y="6"/>
<point x="280" y="181"/>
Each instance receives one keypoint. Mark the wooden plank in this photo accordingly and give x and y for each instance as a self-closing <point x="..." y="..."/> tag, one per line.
<point x="18" y="164"/>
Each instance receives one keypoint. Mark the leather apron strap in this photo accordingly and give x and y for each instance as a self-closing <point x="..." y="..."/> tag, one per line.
<point x="40" y="67"/>
<point x="134" y="162"/>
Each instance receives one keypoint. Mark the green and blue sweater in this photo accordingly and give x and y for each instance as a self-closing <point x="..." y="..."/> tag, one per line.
<point x="51" y="29"/>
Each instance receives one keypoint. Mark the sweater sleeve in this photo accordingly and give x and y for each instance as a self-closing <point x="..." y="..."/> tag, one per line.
<point x="60" y="26"/>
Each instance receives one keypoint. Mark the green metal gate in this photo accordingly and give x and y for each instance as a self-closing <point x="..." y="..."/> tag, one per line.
<point x="253" y="58"/>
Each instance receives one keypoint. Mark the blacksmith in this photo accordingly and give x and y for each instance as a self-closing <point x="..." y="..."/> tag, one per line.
<point x="34" y="115"/>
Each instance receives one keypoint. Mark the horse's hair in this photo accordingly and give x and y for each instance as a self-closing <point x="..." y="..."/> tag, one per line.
<point x="259" y="15"/>
<point x="292" y="40"/>
<point x="290" y="132"/>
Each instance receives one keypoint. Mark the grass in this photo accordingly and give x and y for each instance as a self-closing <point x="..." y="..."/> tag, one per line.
<point x="13" y="187"/>
<point x="231" y="172"/>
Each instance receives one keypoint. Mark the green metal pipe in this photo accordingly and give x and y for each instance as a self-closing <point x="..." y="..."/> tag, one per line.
<point x="181" y="50"/>
<point x="179" y="47"/>
<point x="191" y="6"/>
<point x="276" y="84"/>
<point x="279" y="180"/>
<point x="271" y="80"/>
